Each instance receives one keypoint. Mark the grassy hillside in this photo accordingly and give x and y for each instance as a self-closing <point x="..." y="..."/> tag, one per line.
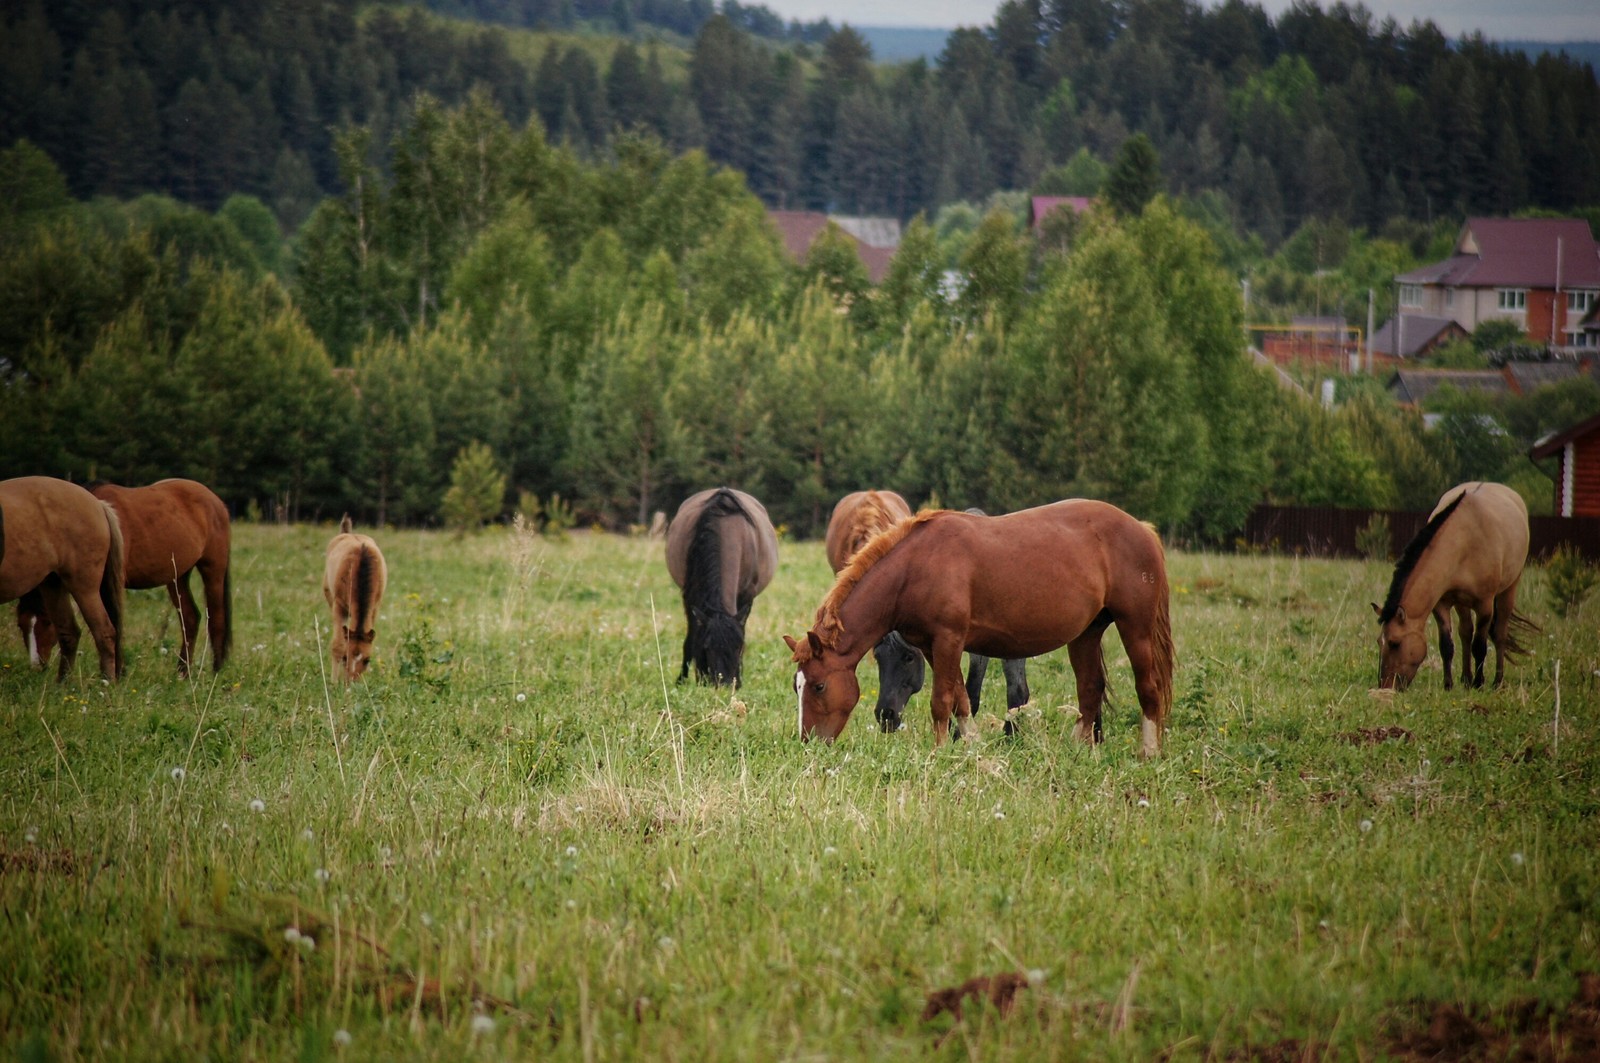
<point x="520" y="838"/>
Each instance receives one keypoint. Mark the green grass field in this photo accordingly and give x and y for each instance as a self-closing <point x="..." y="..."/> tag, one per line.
<point x="519" y="838"/>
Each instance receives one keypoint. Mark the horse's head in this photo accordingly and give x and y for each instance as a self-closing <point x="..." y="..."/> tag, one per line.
<point x="719" y="649"/>
<point x="357" y="652"/>
<point x="900" y="674"/>
<point x="825" y="687"/>
<point x="1402" y="645"/>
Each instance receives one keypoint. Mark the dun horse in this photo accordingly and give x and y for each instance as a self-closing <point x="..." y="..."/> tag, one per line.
<point x="66" y="543"/>
<point x="353" y="583"/>
<point x="1469" y="558"/>
<point x="171" y="528"/>
<point x="1013" y="586"/>
<point x="722" y="552"/>
<point x="857" y="518"/>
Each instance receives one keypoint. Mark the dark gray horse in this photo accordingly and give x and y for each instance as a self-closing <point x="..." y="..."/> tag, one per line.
<point x="722" y="551"/>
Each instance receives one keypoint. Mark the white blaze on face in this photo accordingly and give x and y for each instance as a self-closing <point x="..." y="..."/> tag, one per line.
<point x="800" y="702"/>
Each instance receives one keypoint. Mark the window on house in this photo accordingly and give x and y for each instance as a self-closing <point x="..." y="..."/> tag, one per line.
<point x="1513" y="300"/>
<point x="1450" y="297"/>
<point x="1410" y="295"/>
<point x="1579" y="338"/>
<point x="1579" y="302"/>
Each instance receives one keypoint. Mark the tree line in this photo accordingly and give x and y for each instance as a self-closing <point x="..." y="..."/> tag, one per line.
<point x="618" y="333"/>
<point x="1314" y="115"/>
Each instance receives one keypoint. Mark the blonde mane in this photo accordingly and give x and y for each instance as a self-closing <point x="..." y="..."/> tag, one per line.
<point x="828" y="626"/>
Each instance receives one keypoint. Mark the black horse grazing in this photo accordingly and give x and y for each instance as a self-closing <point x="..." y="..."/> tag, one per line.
<point x="722" y="551"/>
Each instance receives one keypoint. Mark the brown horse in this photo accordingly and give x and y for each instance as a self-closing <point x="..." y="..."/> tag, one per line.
<point x="858" y="518"/>
<point x="1012" y="586"/>
<point x="66" y="543"/>
<point x="722" y="551"/>
<point x="353" y="582"/>
<point x="171" y="528"/>
<point x="1469" y="558"/>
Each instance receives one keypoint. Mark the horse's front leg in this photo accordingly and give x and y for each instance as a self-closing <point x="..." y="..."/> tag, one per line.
<point x="949" y="693"/>
<point x="977" y="668"/>
<point x="1447" y="645"/>
<point x="1089" y="669"/>
<point x="1480" y="639"/>
<point x="1464" y="629"/>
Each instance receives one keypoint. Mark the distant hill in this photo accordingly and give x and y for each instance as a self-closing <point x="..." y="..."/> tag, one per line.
<point x="900" y="44"/>
<point x="1579" y="51"/>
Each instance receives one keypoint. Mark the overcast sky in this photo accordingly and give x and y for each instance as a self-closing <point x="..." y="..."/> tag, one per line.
<point x="1535" y="20"/>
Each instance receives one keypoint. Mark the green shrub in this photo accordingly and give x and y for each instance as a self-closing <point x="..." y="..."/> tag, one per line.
<point x="1569" y="578"/>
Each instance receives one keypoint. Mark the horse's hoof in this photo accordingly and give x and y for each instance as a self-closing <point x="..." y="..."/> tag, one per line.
<point x="1011" y="729"/>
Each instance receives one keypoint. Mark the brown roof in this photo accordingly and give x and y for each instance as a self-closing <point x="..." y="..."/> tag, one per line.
<point x="1417" y="334"/>
<point x="1043" y="205"/>
<point x="1526" y="377"/>
<point x="1552" y="444"/>
<point x="1416" y="385"/>
<point x="1517" y="253"/>
<point x="801" y="228"/>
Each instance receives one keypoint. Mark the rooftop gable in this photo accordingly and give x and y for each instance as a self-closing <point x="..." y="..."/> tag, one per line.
<point x="1545" y="253"/>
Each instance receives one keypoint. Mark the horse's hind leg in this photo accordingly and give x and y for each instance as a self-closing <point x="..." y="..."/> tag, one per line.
<point x="1089" y="668"/>
<point x="1505" y="606"/>
<point x="188" y="621"/>
<point x="1480" y="640"/>
<point x="1464" y="628"/>
<point x="1017" y="693"/>
<point x="1447" y="645"/>
<point x="57" y="605"/>
<point x="214" y="580"/>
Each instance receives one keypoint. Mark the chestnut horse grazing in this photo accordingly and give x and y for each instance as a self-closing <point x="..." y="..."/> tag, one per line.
<point x="66" y="543"/>
<point x="353" y="583"/>
<point x="171" y="528"/>
<point x="1469" y="558"/>
<point x="1012" y="586"/>
<point x="858" y="518"/>
<point x="722" y="551"/>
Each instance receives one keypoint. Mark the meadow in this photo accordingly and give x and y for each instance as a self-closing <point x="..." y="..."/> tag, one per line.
<point x="518" y="837"/>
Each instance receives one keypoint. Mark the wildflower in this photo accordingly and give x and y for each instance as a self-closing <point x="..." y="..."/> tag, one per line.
<point x="308" y="835"/>
<point x="1144" y="802"/>
<point x="1365" y="825"/>
<point x="31" y="835"/>
<point x="257" y="805"/>
<point x="1035" y="975"/>
<point x="291" y="934"/>
<point x="665" y="943"/>
<point x="178" y="774"/>
<point x="571" y="904"/>
<point x="482" y="1024"/>
<point x="321" y="874"/>
<point x="341" y="1037"/>
<point x="829" y="851"/>
<point x="427" y="920"/>
<point x="522" y="697"/>
<point x="1516" y="858"/>
<point x="572" y="850"/>
<point x="999" y="814"/>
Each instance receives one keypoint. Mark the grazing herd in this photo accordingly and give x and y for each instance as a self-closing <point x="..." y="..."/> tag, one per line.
<point x="916" y="590"/>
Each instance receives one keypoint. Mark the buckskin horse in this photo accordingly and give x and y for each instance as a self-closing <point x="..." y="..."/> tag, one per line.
<point x="66" y="543"/>
<point x="721" y="551"/>
<point x="171" y="528"/>
<point x="856" y="519"/>
<point x="1468" y="557"/>
<point x="353" y="581"/>
<point x="1014" y="586"/>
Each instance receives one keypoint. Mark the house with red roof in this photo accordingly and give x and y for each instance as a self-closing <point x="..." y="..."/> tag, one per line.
<point x="875" y="239"/>
<point x="1541" y="273"/>
<point x="1040" y="207"/>
<point x="1577" y="450"/>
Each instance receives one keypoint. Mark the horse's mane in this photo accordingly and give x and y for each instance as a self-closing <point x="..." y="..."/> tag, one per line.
<point x="870" y="518"/>
<point x="702" y="584"/>
<point x="828" y="625"/>
<point x="1413" y="554"/>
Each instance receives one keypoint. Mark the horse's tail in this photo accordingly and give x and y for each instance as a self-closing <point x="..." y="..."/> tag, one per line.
<point x="1518" y="628"/>
<point x="346" y="525"/>
<point x="361" y="588"/>
<point x="1163" y="654"/>
<point x="113" y="583"/>
<point x="219" y="654"/>
<point x="702" y="584"/>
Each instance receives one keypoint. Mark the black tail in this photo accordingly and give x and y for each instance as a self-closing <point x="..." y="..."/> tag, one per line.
<point x="363" y="590"/>
<point x="719" y="630"/>
<point x="220" y="653"/>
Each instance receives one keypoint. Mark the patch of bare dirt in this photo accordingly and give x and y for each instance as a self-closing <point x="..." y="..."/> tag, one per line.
<point x="1371" y="736"/>
<point x="1525" y="1030"/>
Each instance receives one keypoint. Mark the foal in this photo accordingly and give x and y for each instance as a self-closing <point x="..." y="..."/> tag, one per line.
<point x="353" y="583"/>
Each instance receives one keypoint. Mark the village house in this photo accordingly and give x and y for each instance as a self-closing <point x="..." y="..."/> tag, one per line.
<point x="1541" y="273"/>
<point x="1577" y="451"/>
<point x="875" y="239"/>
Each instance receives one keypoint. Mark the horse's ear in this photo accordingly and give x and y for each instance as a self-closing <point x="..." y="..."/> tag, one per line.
<point x="369" y="634"/>
<point x="345" y="525"/>
<point x="1400" y="614"/>
<point x="1377" y="612"/>
<point x="816" y="643"/>
<point x="791" y="643"/>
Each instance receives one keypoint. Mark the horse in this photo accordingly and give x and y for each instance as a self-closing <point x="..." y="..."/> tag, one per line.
<point x="68" y="544"/>
<point x="171" y="528"/>
<point x="1016" y="672"/>
<point x="1012" y="586"/>
<point x="856" y="519"/>
<point x="353" y="581"/>
<point x="1468" y="557"/>
<point x="721" y="551"/>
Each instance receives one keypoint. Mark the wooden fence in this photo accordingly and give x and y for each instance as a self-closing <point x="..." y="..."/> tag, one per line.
<point x="1327" y="532"/>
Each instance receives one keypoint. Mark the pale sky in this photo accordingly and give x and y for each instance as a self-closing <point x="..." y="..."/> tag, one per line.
<point x="1526" y="20"/>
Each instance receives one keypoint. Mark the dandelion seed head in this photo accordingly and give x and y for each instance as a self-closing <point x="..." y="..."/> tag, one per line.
<point x="1365" y="825"/>
<point x="321" y="874"/>
<point x="178" y="774"/>
<point x="308" y="835"/>
<point x="257" y="805"/>
<point x="427" y="920"/>
<point x="341" y="1037"/>
<point x="572" y="850"/>
<point x="291" y="934"/>
<point x="1517" y="858"/>
<point x="482" y="1024"/>
<point x="521" y="696"/>
<point x="665" y="943"/>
